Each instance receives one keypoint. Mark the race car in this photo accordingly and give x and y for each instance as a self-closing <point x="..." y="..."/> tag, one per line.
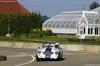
<point x="49" y="51"/>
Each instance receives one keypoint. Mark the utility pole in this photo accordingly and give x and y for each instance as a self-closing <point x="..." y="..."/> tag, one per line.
<point x="8" y="31"/>
<point x="8" y="28"/>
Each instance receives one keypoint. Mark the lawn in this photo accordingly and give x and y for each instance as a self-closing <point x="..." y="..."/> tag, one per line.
<point x="63" y="40"/>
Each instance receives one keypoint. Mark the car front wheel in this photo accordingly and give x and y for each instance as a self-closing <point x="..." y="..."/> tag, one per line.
<point x="37" y="59"/>
<point x="59" y="57"/>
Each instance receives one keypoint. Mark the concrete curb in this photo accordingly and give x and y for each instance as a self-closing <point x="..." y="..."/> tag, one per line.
<point x="83" y="48"/>
<point x="31" y="45"/>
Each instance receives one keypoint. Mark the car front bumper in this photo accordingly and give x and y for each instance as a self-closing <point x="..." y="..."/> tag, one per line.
<point x="42" y="56"/>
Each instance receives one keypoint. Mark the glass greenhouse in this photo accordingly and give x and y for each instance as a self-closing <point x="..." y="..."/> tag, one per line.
<point x="75" y="22"/>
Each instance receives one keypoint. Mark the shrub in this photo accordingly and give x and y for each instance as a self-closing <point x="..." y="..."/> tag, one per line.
<point x="49" y="33"/>
<point x="38" y="33"/>
<point x="98" y="41"/>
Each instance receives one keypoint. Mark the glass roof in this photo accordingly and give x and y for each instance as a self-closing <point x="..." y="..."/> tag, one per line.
<point x="70" y="20"/>
<point x="63" y="20"/>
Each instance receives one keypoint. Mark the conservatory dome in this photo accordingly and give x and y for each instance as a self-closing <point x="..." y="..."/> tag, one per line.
<point x="73" y="22"/>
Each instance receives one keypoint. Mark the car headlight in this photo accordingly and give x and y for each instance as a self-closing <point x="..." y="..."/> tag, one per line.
<point x="56" y="52"/>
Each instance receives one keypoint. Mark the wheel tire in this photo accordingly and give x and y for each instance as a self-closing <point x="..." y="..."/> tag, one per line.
<point x="37" y="59"/>
<point x="59" y="57"/>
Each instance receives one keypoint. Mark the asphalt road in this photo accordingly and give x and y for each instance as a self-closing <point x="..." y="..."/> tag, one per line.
<point x="25" y="57"/>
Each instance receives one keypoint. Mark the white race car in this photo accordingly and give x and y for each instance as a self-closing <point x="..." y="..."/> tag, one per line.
<point x="49" y="51"/>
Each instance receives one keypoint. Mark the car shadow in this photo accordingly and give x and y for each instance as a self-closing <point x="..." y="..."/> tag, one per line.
<point x="51" y="60"/>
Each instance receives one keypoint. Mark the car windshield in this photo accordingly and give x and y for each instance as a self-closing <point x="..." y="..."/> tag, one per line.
<point x="51" y="45"/>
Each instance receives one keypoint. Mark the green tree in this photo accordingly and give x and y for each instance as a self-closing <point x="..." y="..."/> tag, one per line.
<point x="19" y="24"/>
<point x="94" y="5"/>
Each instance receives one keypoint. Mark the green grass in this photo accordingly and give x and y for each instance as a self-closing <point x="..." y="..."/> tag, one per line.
<point x="62" y="40"/>
<point x="40" y="40"/>
<point x="53" y="39"/>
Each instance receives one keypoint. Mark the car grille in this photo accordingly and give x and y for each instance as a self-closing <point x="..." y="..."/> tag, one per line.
<point x="47" y="53"/>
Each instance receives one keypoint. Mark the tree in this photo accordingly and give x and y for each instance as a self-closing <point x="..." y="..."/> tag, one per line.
<point x="94" y="5"/>
<point x="20" y="24"/>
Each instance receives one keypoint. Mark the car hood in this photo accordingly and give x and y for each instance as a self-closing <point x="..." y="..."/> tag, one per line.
<point x="52" y="49"/>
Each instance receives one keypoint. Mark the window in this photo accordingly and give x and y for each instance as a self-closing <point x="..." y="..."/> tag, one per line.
<point x="90" y="30"/>
<point x="84" y="30"/>
<point x="96" y="30"/>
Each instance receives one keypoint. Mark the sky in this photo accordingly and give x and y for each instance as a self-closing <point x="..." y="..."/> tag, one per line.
<point x="54" y="7"/>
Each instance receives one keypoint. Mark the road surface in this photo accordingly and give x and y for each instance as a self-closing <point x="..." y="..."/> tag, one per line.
<point x="26" y="57"/>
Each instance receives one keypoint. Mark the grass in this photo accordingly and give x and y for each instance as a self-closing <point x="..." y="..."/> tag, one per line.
<point x="63" y="40"/>
<point x="53" y="39"/>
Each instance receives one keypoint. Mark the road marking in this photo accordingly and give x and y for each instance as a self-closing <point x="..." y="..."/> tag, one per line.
<point x="18" y="55"/>
<point x="33" y="59"/>
<point x="21" y="54"/>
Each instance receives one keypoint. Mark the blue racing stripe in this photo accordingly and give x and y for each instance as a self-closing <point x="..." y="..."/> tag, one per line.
<point x="47" y="57"/>
<point x="48" y="49"/>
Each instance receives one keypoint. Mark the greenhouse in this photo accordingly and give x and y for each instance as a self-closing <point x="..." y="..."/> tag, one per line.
<point x="74" y="22"/>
